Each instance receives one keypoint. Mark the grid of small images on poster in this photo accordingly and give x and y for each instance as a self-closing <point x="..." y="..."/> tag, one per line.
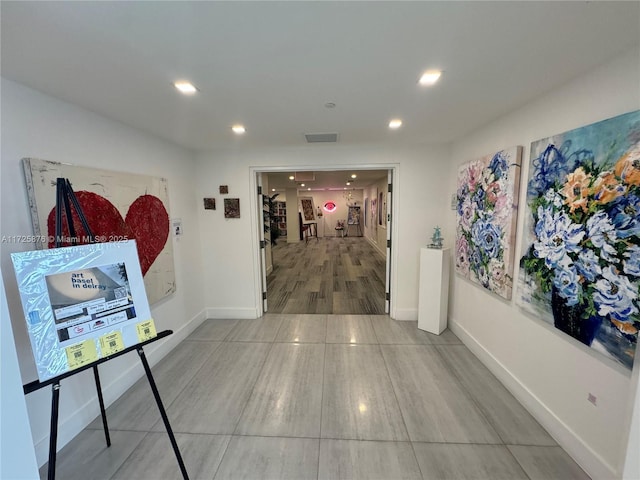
<point x="82" y="303"/>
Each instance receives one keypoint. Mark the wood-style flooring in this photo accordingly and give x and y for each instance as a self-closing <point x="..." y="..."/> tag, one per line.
<point x="326" y="275"/>
<point x="319" y="397"/>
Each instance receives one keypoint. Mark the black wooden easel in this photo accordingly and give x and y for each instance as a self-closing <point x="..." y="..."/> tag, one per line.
<point x="357" y="226"/>
<point x="66" y="198"/>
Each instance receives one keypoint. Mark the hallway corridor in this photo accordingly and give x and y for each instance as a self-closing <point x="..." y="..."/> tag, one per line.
<point x="339" y="275"/>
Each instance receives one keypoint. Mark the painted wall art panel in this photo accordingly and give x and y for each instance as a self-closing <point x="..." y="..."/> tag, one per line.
<point x="374" y="211"/>
<point x="366" y="210"/>
<point x="209" y="203"/>
<point x="118" y="206"/>
<point x="580" y="269"/>
<point x="487" y="201"/>
<point x="231" y="208"/>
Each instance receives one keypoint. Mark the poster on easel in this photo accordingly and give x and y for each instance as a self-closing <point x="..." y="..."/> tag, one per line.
<point x="82" y="303"/>
<point x="308" y="209"/>
<point x="354" y="216"/>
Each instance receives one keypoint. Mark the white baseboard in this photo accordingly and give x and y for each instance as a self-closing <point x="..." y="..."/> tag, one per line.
<point x="572" y="443"/>
<point x="232" y="313"/>
<point x="381" y="250"/>
<point x="405" y="314"/>
<point x="72" y="425"/>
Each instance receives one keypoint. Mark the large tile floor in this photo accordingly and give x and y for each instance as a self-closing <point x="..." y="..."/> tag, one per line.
<point x="319" y="397"/>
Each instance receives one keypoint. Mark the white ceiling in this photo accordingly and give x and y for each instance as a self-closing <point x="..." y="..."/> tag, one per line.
<point x="273" y="65"/>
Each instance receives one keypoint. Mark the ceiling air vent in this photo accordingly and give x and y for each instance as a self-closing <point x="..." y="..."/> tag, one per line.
<point x="321" y="137"/>
<point x="305" y="176"/>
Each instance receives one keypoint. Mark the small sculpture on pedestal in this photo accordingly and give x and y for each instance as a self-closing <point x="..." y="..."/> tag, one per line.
<point x="436" y="238"/>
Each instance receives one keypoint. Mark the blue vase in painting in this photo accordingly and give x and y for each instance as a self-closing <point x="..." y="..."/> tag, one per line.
<point x="570" y="319"/>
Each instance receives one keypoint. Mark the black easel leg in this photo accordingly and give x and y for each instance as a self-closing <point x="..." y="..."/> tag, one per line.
<point x="102" y="410"/>
<point x="163" y="413"/>
<point x="53" y="435"/>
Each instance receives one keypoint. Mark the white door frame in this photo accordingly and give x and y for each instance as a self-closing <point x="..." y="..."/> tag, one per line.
<point x="260" y="194"/>
<point x="256" y="220"/>
<point x="389" y="194"/>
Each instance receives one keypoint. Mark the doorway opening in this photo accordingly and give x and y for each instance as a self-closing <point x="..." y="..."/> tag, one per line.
<point x="324" y="247"/>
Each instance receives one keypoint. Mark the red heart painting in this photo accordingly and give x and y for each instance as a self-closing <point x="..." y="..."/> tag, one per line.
<point x="147" y="221"/>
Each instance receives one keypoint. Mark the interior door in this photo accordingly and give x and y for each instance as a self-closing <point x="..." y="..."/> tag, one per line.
<point x="264" y="220"/>
<point x="387" y="295"/>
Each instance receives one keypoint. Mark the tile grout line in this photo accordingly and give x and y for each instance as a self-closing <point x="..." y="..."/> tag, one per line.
<point x="324" y="362"/>
<point x="468" y="392"/>
<point x="218" y="346"/>
<point x="131" y="454"/>
<point x="253" y="387"/>
<point x="166" y="407"/>
<point x="375" y="334"/>
<point x="478" y="407"/>
<point x="404" y="423"/>
<point x="517" y="462"/>
<point x="246" y="403"/>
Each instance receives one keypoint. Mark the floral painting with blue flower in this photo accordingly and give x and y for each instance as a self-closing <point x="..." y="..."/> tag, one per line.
<point x="487" y="196"/>
<point x="580" y="268"/>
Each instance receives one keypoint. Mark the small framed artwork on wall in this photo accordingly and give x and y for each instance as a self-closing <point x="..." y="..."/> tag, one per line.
<point x="209" y="203"/>
<point x="231" y="208"/>
<point x="224" y="189"/>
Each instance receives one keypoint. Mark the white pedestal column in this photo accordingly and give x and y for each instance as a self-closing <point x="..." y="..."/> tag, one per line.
<point x="434" y="289"/>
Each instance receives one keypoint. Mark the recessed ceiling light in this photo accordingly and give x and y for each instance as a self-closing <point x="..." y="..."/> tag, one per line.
<point x="353" y="175"/>
<point x="302" y="184"/>
<point x="291" y="177"/>
<point x="395" y="123"/>
<point x="430" y="77"/>
<point x="185" y="87"/>
<point x="309" y="188"/>
<point x="239" y="129"/>
<point x="273" y="189"/>
<point x="348" y="183"/>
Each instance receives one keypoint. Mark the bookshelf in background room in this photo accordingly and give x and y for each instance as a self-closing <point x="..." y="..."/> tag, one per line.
<point x="281" y="214"/>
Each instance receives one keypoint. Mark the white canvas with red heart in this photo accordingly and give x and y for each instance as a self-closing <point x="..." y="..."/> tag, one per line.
<point x="118" y="207"/>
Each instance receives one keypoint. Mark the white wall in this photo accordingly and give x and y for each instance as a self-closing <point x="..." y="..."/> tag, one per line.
<point x="420" y="202"/>
<point x="549" y="373"/>
<point x="36" y="125"/>
<point x="632" y="455"/>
